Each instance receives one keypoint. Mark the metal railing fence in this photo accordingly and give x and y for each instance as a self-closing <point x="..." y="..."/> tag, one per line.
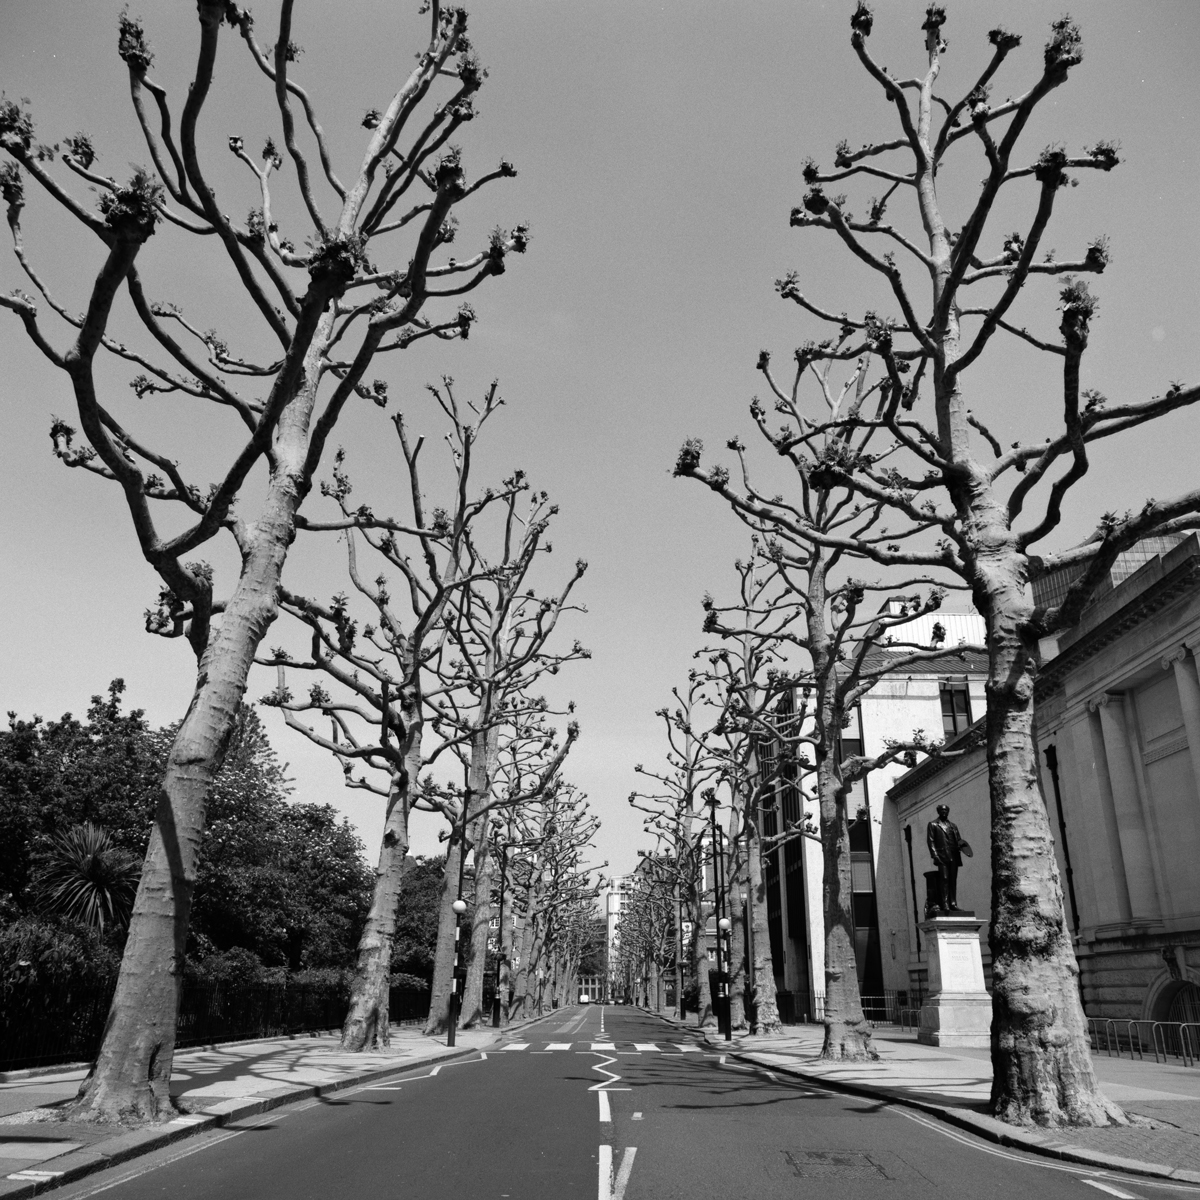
<point x="888" y="1007"/>
<point x="41" y="1025"/>
<point x="1164" y="1039"/>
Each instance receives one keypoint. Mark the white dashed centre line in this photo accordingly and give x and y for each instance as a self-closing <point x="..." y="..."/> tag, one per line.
<point x="605" y="1108"/>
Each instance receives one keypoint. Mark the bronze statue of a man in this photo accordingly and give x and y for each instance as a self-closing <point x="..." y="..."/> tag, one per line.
<point x="946" y="848"/>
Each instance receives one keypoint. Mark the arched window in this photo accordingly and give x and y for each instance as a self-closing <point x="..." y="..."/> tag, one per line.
<point x="1185" y="1004"/>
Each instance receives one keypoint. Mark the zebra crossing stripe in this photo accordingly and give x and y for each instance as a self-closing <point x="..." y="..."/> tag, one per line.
<point x="611" y="1047"/>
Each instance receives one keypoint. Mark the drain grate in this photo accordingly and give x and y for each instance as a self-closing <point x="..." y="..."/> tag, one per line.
<point x="834" y="1164"/>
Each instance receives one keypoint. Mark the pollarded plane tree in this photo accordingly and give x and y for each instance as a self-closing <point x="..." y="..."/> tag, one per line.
<point x="500" y="647"/>
<point x="547" y="886"/>
<point x="809" y="610"/>
<point x="373" y="279"/>
<point x="647" y="932"/>
<point x="673" y="816"/>
<point x="514" y="830"/>
<point x="381" y="655"/>
<point x="745" y="678"/>
<point x="529" y="755"/>
<point x="991" y="505"/>
<point x="569" y="894"/>
<point x="581" y="932"/>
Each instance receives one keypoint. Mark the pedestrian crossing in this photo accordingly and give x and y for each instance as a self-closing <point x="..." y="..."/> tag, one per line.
<point x="610" y="1047"/>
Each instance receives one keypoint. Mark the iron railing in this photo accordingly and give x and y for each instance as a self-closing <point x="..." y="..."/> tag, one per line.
<point x="1164" y="1039"/>
<point x="882" y="1008"/>
<point x="42" y="1025"/>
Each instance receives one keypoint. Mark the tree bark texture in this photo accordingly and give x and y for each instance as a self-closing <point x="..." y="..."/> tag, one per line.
<point x="131" y="1078"/>
<point x="766" y="1008"/>
<point x="504" y="971"/>
<point x="705" y="1016"/>
<point x="1041" y="1060"/>
<point x="443" y="956"/>
<point x="847" y="1034"/>
<point x="366" y="1024"/>
<point x="481" y="918"/>
<point x="519" y="1008"/>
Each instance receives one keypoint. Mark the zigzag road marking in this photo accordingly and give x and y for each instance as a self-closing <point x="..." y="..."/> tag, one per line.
<point x="395" y="1087"/>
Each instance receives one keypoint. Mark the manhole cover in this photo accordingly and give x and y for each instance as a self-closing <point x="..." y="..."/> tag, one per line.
<point x="834" y="1164"/>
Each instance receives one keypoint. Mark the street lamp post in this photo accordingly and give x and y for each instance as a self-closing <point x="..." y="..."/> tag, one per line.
<point x="723" y="924"/>
<point x="500" y="957"/>
<point x="459" y="906"/>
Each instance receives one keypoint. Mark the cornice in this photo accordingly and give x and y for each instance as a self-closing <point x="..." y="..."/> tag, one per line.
<point x="1181" y="578"/>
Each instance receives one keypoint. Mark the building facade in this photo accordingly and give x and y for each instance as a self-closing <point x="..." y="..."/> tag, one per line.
<point x="1118" y="730"/>
<point x="940" y="696"/>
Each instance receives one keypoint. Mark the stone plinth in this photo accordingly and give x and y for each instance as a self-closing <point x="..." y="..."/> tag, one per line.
<point x="958" y="1010"/>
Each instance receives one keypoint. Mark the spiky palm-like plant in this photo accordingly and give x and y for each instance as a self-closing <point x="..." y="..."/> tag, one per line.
<point x="88" y="878"/>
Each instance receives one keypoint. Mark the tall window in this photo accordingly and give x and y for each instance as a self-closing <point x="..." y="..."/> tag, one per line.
<point x="956" y="709"/>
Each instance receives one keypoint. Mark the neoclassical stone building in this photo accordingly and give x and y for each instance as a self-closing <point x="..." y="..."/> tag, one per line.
<point x="1118" y="727"/>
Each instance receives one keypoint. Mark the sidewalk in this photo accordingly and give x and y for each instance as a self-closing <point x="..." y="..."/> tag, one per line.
<point x="955" y="1085"/>
<point x="213" y="1085"/>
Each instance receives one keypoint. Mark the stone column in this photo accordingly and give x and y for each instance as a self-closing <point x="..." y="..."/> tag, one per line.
<point x="1131" y="826"/>
<point x="1189" y="703"/>
<point x="1112" y="901"/>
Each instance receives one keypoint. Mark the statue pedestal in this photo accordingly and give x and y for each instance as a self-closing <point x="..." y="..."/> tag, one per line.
<point x="958" y="1010"/>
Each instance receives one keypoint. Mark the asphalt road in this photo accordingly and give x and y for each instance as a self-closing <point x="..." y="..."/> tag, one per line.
<point x="554" y="1114"/>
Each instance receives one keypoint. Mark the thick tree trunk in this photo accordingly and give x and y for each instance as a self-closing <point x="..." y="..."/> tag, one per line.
<point x="485" y="743"/>
<point x="766" y="1009"/>
<point x="738" y="1017"/>
<point x="131" y="1077"/>
<point x="481" y="918"/>
<point x="504" y="971"/>
<point x="680" y="1015"/>
<point x="366" y="1024"/>
<point x="443" y="955"/>
<point x="1041" y="1064"/>
<point x="705" y="1017"/>
<point x="535" y="974"/>
<point x="847" y="1034"/>
<point x="520" y="1001"/>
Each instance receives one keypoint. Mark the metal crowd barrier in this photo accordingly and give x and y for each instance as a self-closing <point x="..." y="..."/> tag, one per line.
<point x="1164" y="1039"/>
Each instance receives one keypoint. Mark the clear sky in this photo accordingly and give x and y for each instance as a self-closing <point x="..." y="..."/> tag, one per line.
<point x="660" y="148"/>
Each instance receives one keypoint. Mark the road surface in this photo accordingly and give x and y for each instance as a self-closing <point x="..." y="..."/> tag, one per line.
<point x="609" y="1103"/>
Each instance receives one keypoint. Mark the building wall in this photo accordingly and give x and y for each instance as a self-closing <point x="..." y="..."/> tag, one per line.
<point x="963" y="786"/>
<point x="897" y="708"/>
<point x="1118" y="707"/>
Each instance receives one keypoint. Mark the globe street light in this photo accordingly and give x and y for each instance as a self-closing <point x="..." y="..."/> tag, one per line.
<point x="458" y="907"/>
<point x="723" y="1014"/>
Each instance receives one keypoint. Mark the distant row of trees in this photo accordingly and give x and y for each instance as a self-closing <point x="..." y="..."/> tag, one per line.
<point x="899" y="488"/>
